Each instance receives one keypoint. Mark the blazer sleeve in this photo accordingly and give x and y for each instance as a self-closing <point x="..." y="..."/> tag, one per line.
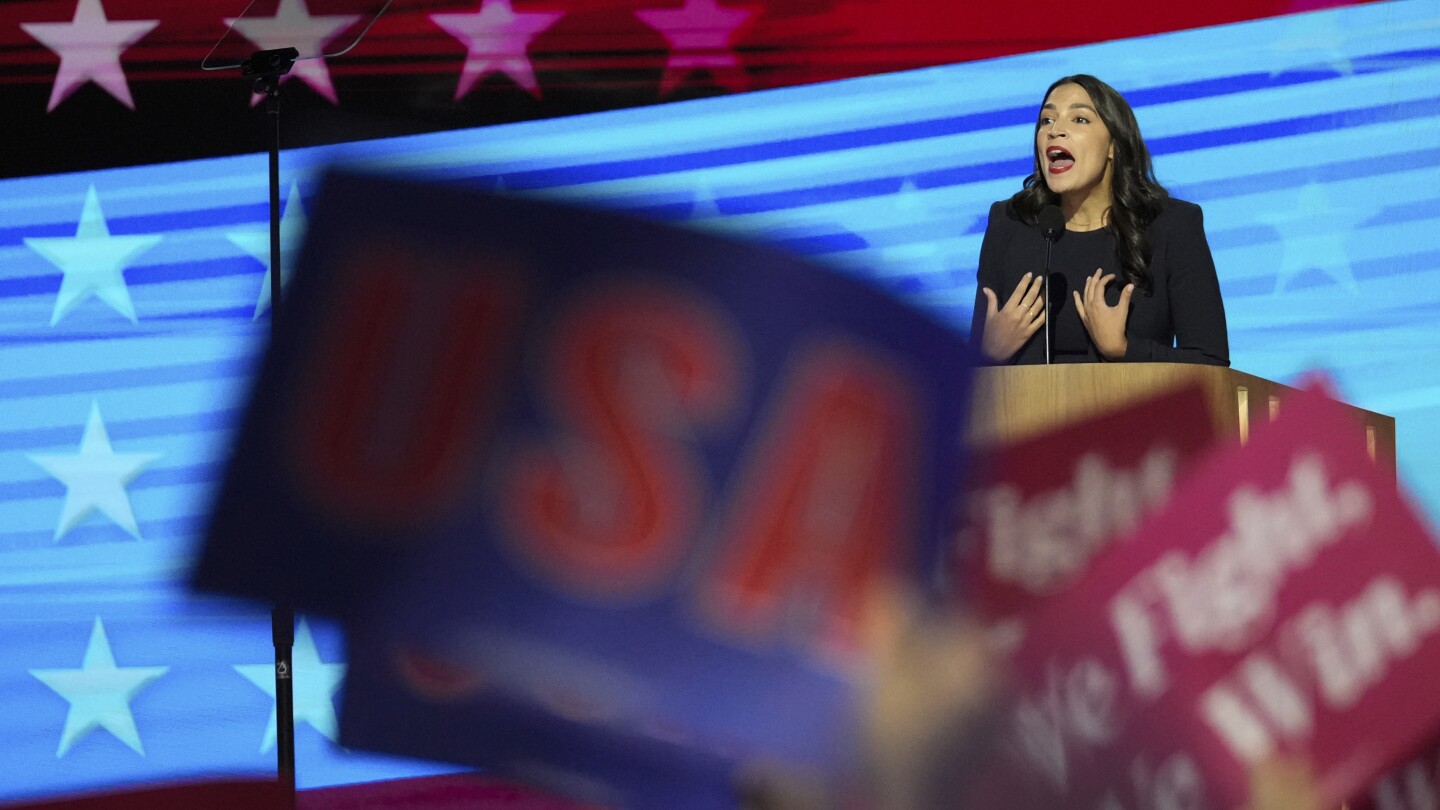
<point x="991" y="273"/>
<point x="1196" y="309"/>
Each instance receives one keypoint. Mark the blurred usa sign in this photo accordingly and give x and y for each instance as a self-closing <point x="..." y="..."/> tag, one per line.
<point x="598" y="497"/>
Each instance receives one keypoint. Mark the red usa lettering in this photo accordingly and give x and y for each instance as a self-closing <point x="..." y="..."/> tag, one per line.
<point x="604" y="505"/>
<point x="821" y="501"/>
<point x="1038" y="542"/>
<point x="403" y="386"/>
<point x="1224" y="596"/>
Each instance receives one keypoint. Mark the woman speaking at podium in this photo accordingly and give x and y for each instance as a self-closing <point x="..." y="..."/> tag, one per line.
<point x="1130" y="272"/>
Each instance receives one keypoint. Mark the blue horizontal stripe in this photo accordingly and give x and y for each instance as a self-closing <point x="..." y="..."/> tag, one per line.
<point x="63" y="383"/>
<point x="1290" y="127"/>
<point x="973" y="122"/>
<point x="820" y="244"/>
<point x="120" y="224"/>
<point x="233" y="321"/>
<point x="153" y="478"/>
<point x="140" y="274"/>
<point x="56" y="439"/>
<point x="1319" y="172"/>
<point x="152" y="529"/>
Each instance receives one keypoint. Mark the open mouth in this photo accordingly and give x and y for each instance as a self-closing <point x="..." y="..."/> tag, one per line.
<point x="1060" y="160"/>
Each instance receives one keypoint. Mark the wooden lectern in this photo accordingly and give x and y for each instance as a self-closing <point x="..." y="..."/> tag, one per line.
<point x="1016" y="401"/>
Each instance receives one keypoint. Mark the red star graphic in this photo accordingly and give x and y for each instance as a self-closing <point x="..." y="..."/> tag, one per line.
<point x="699" y="34"/>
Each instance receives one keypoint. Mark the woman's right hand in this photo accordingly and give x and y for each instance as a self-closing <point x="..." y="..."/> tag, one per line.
<point x="1006" y="330"/>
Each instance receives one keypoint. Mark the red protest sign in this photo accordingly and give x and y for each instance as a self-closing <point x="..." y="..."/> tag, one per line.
<point x="1286" y="603"/>
<point x="1044" y="506"/>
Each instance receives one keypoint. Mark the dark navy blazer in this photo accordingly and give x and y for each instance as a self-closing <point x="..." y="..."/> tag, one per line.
<point x="1178" y="318"/>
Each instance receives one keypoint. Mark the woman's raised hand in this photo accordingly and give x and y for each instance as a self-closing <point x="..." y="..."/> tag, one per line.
<point x="1007" y="329"/>
<point x="1106" y="324"/>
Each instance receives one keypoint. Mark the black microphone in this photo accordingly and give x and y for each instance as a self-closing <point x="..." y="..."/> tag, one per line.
<point x="1052" y="227"/>
<point x="1052" y="222"/>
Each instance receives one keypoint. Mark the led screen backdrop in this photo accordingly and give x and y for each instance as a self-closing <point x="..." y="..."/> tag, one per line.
<point x="70" y="69"/>
<point x="131" y="313"/>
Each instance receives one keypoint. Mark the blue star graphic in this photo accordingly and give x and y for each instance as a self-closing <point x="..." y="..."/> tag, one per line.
<point x="93" y="262"/>
<point x="99" y="693"/>
<point x="95" y="478"/>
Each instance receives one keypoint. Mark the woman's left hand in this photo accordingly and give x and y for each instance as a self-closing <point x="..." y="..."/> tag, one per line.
<point x="1106" y="324"/>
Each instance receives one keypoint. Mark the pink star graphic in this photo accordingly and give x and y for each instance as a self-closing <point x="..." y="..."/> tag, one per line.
<point x="89" y="47"/>
<point x="496" y="37"/>
<point x="294" y="27"/>
<point x="699" y="35"/>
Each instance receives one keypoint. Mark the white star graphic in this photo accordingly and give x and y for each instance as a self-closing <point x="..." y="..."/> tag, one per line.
<point x="913" y="257"/>
<point x="314" y="683"/>
<point x="1406" y="29"/>
<point x="89" y="47"/>
<point x="1313" y="232"/>
<point x="912" y="216"/>
<point x="495" y="38"/>
<point x="1312" y="38"/>
<point x="95" y="478"/>
<point x="99" y="693"/>
<point x="93" y="261"/>
<point x="706" y="208"/>
<point x="257" y="244"/>
<point x="699" y="34"/>
<point x="294" y="27"/>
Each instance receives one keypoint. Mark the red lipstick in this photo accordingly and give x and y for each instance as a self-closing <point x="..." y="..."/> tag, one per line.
<point x="1060" y="159"/>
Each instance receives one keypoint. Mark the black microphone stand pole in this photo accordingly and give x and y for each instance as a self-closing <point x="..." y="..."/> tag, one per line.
<point x="266" y="68"/>
<point x="1052" y="225"/>
<point x="1045" y="291"/>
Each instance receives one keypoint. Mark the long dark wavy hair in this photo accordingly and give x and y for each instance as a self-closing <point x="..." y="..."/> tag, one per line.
<point x="1137" y="196"/>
